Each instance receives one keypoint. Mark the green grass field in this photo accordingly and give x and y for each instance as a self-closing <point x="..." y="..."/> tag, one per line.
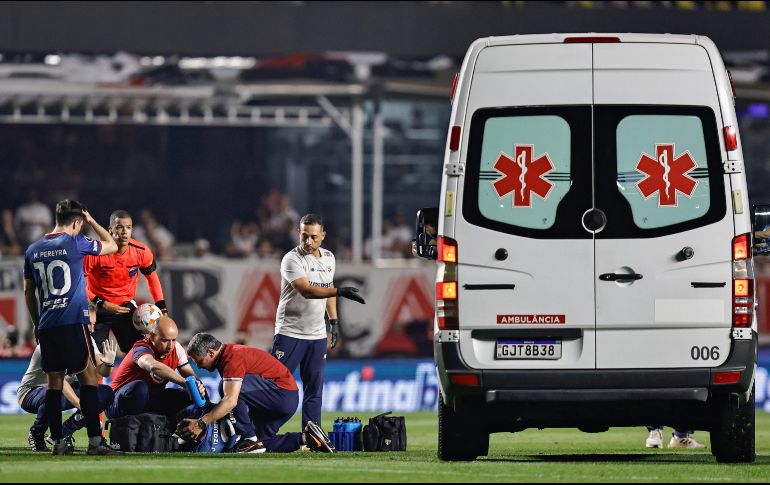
<point x="551" y="455"/>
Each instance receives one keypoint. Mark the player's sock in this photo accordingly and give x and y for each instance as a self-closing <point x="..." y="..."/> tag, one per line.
<point x="253" y="438"/>
<point x="95" y="440"/>
<point x="89" y="403"/>
<point x="53" y="413"/>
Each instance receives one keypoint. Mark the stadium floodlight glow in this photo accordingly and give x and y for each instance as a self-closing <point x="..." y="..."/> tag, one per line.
<point x="193" y="63"/>
<point x="51" y="59"/>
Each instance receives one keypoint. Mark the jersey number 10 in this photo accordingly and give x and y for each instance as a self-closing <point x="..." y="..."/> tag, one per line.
<point x="46" y="277"/>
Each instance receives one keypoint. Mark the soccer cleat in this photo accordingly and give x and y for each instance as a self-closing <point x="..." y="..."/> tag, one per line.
<point x="103" y="449"/>
<point x="655" y="439"/>
<point x="66" y="446"/>
<point x="685" y="443"/>
<point x="248" y="446"/>
<point x="316" y="439"/>
<point x="37" y="441"/>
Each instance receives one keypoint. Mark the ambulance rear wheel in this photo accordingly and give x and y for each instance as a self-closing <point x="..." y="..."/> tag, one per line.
<point x="733" y="431"/>
<point x="462" y="435"/>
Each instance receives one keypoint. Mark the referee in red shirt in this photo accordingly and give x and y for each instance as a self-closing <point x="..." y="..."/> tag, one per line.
<point x="112" y="283"/>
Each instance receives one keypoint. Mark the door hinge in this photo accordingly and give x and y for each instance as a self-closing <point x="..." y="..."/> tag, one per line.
<point x="454" y="169"/>
<point x="733" y="166"/>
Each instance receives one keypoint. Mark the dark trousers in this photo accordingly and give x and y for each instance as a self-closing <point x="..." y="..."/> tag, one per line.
<point x="262" y="409"/>
<point x="122" y="327"/>
<point x="136" y="398"/>
<point x="34" y="402"/>
<point x="310" y="355"/>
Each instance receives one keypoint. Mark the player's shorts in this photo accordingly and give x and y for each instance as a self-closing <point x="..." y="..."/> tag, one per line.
<point x="66" y="348"/>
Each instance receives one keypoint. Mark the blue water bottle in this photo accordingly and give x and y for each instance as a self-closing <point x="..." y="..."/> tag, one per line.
<point x="192" y="387"/>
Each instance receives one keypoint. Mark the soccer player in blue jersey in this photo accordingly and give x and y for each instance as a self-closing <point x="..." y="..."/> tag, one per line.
<point x="54" y="289"/>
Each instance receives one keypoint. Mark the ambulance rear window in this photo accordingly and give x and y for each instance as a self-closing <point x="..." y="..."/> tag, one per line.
<point x="663" y="169"/>
<point x="658" y="169"/>
<point x="529" y="171"/>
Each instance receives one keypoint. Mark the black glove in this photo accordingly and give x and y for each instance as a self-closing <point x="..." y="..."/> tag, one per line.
<point x="131" y="305"/>
<point x="350" y="293"/>
<point x="98" y="302"/>
<point x="162" y="305"/>
<point x="334" y="328"/>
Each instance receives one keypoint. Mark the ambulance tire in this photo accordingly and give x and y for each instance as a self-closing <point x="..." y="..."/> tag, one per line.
<point x="462" y="435"/>
<point x="733" y="431"/>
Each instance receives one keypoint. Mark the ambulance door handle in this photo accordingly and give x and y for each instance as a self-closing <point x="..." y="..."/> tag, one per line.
<point x="620" y="277"/>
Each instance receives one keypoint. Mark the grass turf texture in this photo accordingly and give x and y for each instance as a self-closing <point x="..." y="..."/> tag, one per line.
<point x="550" y="455"/>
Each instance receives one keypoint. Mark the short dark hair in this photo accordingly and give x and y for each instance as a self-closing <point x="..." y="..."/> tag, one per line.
<point x="119" y="214"/>
<point x="312" y="220"/>
<point x="201" y="343"/>
<point x="68" y="211"/>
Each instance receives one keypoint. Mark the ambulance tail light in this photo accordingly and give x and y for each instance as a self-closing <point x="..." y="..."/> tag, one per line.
<point x="447" y="250"/>
<point x="743" y="282"/>
<point x="731" y="377"/>
<point x="731" y="138"/>
<point x="454" y="138"/>
<point x="467" y="380"/>
<point x="447" y="309"/>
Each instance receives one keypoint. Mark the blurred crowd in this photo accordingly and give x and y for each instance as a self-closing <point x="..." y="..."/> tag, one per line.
<point x="269" y="234"/>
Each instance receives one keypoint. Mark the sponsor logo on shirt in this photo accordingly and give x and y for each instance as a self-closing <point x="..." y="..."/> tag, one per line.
<point x="322" y="285"/>
<point x="279" y="355"/>
<point x="57" y="304"/>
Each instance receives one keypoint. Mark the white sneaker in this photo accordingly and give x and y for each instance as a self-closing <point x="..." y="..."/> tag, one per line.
<point x="686" y="442"/>
<point x="655" y="439"/>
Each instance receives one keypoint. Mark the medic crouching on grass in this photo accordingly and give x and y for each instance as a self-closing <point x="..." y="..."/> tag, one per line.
<point x="260" y="392"/>
<point x="112" y="283"/>
<point x="140" y="381"/>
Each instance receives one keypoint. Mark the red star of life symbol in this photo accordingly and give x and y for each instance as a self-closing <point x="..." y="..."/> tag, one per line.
<point x="666" y="175"/>
<point x="523" y="175"/>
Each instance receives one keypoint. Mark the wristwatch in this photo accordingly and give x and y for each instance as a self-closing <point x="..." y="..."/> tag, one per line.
<point x="202" y="424"/>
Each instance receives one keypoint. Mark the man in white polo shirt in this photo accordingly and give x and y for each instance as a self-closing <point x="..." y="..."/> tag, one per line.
<point x="307" y="293"/>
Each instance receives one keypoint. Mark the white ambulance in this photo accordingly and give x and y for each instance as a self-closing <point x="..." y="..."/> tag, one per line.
<point x="594" y="243"/>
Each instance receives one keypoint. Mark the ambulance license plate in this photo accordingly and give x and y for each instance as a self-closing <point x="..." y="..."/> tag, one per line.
<point x="528" y="350"/>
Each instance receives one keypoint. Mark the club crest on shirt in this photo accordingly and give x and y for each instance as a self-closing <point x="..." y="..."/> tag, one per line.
<point x="279" y="355"/>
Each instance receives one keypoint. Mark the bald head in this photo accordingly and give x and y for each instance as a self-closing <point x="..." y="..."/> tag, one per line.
<point x="167" y="327"/>
<point x="163" y="337"/>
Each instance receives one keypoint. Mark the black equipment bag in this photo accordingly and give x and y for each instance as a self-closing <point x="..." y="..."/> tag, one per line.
<point x="385" y="433"/>
<point x="142" y="432"/>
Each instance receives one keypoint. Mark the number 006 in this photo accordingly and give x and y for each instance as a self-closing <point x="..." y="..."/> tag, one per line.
<point x="704" y="353"/>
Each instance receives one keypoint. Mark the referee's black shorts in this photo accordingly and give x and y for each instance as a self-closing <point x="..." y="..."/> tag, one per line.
<point x="122" y="327"/>
<point x="66" y="348"/>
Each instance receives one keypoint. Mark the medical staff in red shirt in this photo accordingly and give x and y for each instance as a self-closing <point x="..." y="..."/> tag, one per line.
<point x="140" y="380"/>
<point x="260" y="392"/>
